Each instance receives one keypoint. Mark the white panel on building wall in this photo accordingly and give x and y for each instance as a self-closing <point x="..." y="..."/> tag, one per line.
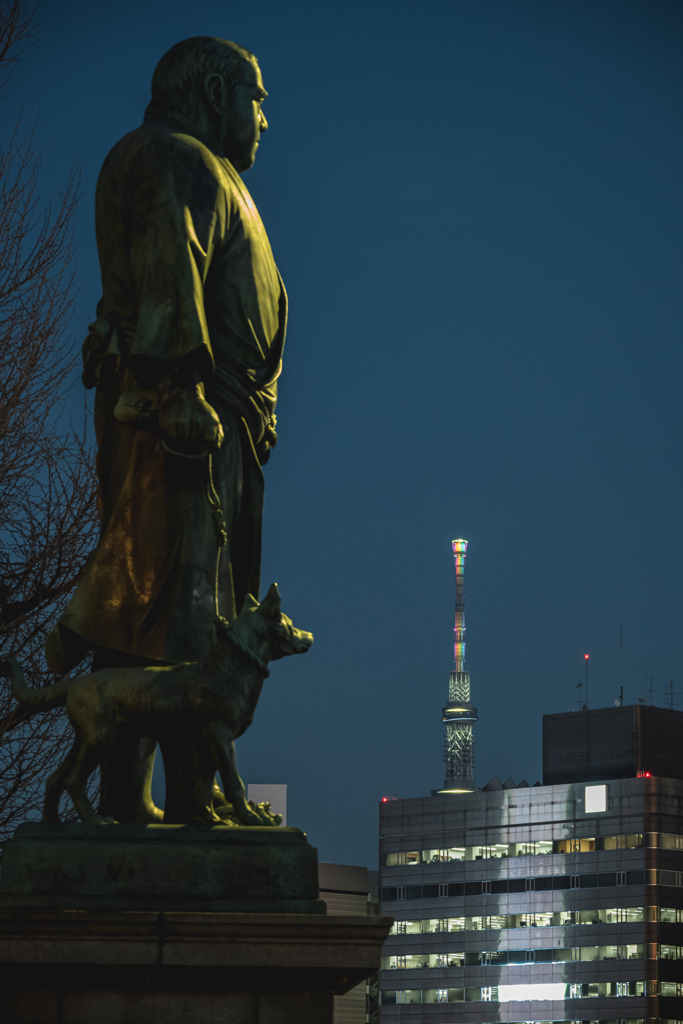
<point x="596" y="799"/>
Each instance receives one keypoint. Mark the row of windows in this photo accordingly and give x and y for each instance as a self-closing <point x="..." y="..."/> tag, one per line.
<point x="518" y="957"/>
<point x="504" y="850"/>
<point x="512" y="993"/>
<point x="618" y="1020"/>
<point x="560" y="919"/>
<point x="661" y="840"/>
<point x="543" y="883"/>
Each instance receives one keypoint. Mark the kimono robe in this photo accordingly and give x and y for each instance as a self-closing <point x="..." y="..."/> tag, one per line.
<point x="187" y="274"/>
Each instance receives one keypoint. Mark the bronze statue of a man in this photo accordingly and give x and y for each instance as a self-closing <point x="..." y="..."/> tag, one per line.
<point x="185" y="355"/>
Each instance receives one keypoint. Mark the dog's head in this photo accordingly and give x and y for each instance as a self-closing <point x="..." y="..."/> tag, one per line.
<point x="264" y="629"/>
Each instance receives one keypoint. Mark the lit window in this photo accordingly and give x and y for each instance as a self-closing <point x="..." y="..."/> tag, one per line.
<point x="596" y="799"/>
<point x="549" y="991"/>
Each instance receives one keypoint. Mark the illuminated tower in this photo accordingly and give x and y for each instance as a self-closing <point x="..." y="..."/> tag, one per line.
<point x="459" y="714"/>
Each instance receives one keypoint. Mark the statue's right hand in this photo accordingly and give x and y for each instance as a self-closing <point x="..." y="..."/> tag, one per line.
<point x="184" y="414"/>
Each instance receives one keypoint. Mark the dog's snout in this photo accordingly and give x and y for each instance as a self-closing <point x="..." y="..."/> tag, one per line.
<point x="303" y="640"/>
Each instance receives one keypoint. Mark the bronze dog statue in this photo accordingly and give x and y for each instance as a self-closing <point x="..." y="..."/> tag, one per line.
<point x="194" y="710"/>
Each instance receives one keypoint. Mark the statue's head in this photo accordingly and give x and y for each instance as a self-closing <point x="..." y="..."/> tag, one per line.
<point x="214" y="86"/>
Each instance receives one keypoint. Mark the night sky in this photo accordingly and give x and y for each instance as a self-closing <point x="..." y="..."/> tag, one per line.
<point x="476" y="210"/>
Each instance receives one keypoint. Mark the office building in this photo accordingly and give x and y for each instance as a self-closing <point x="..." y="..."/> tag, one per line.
<point x="545" y="903"/>
<point x="560" y="902"/>
<point x="348" y="889"/>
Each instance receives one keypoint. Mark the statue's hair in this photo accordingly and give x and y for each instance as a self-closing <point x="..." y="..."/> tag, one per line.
<point x="178" y="79"/>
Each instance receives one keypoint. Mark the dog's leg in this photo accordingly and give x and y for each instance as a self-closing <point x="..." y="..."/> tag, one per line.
<point x="54" y="786"/>
<point x="126" y="780"/>
<point x="76" y="784"/>
<point x="233" y="787"/>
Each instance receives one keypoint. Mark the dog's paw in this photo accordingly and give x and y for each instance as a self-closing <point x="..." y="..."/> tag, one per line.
<point x="259" y="815"/>
<point x="206" y="816"/>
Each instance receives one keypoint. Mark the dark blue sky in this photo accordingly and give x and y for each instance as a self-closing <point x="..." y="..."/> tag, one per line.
<point x="476" y="208"/>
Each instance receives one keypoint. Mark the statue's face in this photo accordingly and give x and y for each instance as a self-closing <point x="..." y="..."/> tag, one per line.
<point x="242" y="119"/>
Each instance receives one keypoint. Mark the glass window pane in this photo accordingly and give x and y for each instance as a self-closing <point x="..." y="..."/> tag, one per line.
<point x="668" y="841"/>
<point x="434" y="856"/>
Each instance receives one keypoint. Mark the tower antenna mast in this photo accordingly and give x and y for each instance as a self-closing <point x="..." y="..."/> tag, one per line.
<point x="460" y="714"/>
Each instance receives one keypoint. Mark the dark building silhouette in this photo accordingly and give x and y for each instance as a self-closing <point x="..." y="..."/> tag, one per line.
<point x="612" y="743"/>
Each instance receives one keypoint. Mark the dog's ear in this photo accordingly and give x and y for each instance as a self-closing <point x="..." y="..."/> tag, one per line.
<point x="271" y="605"/>
<point x="250" y="604"/>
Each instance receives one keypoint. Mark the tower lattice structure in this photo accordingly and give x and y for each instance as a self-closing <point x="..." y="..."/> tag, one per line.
<point x="460" y="714"/>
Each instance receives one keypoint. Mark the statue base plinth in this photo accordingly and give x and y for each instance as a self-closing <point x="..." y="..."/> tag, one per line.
<point x="160" y="868"/>
<point x="65" y="967"/>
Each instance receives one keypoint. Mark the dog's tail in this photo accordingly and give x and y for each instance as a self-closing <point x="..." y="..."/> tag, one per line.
<point x="37" y="698"/>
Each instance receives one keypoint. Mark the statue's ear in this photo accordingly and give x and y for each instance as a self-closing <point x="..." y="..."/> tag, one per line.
<point x="250" y="604"/>
<point x="271" y="604"/>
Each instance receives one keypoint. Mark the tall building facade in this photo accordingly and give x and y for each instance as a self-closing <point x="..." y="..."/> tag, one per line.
<point x="554" y="902"/>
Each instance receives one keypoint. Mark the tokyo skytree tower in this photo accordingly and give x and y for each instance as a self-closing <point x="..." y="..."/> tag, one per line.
<point x="459" y="714"/>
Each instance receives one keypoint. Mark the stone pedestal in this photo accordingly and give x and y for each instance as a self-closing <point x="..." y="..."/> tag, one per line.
<point x="160" y="867"/>
<point x="89" y="967"/>
<point x="172" y="924"/>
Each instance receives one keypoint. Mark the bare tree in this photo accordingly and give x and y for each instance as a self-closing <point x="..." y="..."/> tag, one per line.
<point x="48" y="516"/>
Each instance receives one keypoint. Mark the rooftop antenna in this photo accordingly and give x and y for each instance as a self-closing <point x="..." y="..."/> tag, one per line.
<point x="459" y="714"/>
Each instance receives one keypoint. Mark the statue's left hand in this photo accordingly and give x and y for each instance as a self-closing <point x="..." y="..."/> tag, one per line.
<point x="184" y="414"/>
